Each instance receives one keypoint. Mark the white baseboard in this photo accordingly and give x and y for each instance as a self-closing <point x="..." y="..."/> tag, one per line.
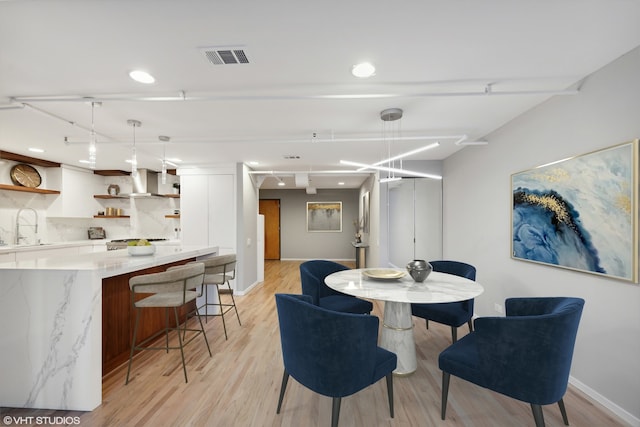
<point x="247" y="290"/>
<point x="620" y="412"/>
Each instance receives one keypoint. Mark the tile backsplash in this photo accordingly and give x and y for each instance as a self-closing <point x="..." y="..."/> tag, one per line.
<point x="146" y="219"/>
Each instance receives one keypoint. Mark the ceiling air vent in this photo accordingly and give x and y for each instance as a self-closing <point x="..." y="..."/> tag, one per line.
<point x="222" y="56"/>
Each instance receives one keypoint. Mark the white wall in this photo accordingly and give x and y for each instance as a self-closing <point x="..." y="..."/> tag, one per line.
<point x="477" y="222"/>
<point x="247" y="231"/>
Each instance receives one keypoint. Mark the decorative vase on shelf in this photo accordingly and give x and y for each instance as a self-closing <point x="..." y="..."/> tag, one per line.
<point x="113" y="190"/>
<point x="358" y="238"/>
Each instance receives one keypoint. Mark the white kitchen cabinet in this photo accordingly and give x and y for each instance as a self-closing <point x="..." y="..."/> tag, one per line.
<point x="77" y="187"/>
<point x="208" y="210"/>
<point x="208" y="215"/>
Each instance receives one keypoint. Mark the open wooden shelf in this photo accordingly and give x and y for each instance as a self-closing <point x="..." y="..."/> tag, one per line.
<point x="26" y="159"/>
<point x="172" y="216"/>
<point x="111" y="216"/>
<point x="27" y="189"/>
<point x="111" y="172"/>
<point x="173" y="196"/>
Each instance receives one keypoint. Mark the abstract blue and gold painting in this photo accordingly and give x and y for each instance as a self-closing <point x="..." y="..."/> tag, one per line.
<point x="580" y="213"/>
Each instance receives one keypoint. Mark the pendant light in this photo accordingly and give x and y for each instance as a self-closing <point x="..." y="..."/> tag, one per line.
<point x="92" y="138"/>
<point x="134" y="160"/>
<point x="163" y="175"/>
<point x="390" y="130"/>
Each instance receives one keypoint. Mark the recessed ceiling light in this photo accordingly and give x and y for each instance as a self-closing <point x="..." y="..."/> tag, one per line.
<point x="341" y="183"/>
<point x="281" y="184"/>
<point x="363" y="70"/>
<point x="142" y="76"/>
<point x="254" y="163"/>
<point x="84" y="161"/>
<point x="36" y="150"/>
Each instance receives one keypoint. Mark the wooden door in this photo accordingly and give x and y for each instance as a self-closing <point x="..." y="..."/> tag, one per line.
<point x="270" y="208"/>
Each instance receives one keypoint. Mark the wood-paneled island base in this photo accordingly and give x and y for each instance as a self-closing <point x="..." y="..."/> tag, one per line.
<point x="118" y="317"/>
<point x="54" y="336"/>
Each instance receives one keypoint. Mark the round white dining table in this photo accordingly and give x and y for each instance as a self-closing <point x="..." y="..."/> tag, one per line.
<point x="398" y="293"/>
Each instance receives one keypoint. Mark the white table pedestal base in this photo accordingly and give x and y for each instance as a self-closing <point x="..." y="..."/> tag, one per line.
<point x="397" y="336"/>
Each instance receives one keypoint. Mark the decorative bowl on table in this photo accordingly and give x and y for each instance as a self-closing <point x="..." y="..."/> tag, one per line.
<point x="419" y="269"/>
<point x="383" y="274"/>
<point x="141" y="250"/>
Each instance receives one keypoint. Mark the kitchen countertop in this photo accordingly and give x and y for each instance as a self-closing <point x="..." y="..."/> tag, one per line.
<point x="42" y="246"/>
<point x="110" y="263"/>
<point x="69" y="244"/>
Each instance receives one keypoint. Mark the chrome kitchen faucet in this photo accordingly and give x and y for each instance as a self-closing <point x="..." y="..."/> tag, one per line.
<point x="19" y="237"/>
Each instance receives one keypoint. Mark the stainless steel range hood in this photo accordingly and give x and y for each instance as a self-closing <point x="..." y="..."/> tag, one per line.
<point x="145" y="184"/>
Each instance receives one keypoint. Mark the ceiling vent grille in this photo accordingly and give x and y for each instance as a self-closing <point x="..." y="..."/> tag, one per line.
<point x="223" y="56"/>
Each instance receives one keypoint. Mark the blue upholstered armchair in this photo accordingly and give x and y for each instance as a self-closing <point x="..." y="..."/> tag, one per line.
<point x="334" y="354"/>
<point x="454" y="314"/>
<point x="525" y="355"/>
<point x="312" y="274"/>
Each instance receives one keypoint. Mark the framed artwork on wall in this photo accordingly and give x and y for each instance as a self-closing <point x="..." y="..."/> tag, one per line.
<point x="580" y="213"/>
<point x="324" y="217"/>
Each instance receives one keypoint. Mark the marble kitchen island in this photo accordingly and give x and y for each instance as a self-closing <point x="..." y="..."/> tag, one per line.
<point x="51" y="323"/>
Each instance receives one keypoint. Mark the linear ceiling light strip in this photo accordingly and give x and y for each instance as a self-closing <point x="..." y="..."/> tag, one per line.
<point x="310" y="172"/>
<point x="388" y="169"/>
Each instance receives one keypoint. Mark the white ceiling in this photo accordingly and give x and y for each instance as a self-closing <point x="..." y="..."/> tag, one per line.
<point x="435" y="59"/>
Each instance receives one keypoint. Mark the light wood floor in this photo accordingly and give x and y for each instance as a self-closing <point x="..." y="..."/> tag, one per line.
<point x="239" y="385"/>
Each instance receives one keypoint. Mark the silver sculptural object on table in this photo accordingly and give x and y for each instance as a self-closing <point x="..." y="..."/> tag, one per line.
<point x="419" y="269"/>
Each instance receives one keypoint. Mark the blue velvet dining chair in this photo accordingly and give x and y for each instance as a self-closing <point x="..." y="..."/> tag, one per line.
<point x="312" y="274"/>
<point x="331" y="353"/>
<point x="454" y="314"/>
<point x="525" y="355"/>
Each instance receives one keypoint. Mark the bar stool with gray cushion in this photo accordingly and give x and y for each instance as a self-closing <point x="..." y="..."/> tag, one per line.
<point x="219" y="271"/>
<point x="173" y="288"/>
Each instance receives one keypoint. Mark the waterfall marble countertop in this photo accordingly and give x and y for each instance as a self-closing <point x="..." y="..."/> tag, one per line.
<point x="51" y="324"/>
<point x="112" y="263"/>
